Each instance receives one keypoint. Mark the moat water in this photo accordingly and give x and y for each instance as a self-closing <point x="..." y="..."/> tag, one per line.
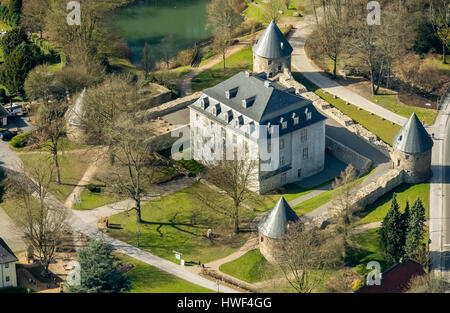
<point x="166" y="25"/>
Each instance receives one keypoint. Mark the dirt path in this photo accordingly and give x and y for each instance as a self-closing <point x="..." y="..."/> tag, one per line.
<point x="86" y="179"/>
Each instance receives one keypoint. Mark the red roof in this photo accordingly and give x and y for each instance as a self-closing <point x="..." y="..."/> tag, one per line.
<point x="396" y="279"/>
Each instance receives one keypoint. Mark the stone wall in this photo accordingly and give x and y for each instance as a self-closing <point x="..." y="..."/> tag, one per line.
<point x="261" y="65"/>
<point x="269" y="247"/>
<point x="165" y="140"/>
<point x="347" y="122"/>
<point x="417" y="166"/>
<point x="153" y="95"/>
<point x="348" y="155"/>
<point x="168" y="107"/>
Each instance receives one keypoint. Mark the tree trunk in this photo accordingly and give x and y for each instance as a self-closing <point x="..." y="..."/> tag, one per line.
<point x="58" y="174"/>
<point x="224" y="57"/>
<point x="335" y="68"/>
<point x="138" y="211"/>
<point x="236" y="220"/>
<point x="444" y="53"/>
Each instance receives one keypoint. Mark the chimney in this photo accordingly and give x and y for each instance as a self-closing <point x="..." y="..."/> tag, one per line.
<point x="267" y="83"/>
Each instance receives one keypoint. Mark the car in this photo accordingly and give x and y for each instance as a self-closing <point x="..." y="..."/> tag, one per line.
<point x="8" y="135"/>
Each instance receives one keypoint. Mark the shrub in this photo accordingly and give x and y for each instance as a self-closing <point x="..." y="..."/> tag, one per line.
<point x="93" y="188"/>
<point x="20" y="140"/>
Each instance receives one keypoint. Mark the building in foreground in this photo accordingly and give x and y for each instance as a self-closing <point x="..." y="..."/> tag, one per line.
<point x="248" y="112"/>
<point x="8" y="277"/>
<point x="412" y="151"/>
<point x="273" y="227"/>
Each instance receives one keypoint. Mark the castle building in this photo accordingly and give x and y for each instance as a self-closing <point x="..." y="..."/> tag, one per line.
<point x="273" y="228"/>
<point x="412" y="151"/>
<point x="8" y="277"/>
<point x="249" y="111"/>
<point x="272" y="52"/>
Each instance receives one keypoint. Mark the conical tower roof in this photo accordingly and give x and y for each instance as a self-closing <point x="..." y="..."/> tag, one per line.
<point x="272" y="44"/>
<point x="275" y="223"/>
<point x="413" y="138"/>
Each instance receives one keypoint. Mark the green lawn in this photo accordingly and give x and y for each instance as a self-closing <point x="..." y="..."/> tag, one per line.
<point x="148" y="279"/>
<point x="257" y="11"/>
<point x="377" y="211"/>
<point x="235" y="63"/>
<point x="92" y="200"/>
<point x="251" y="267"/>
<point x="65" y="145"/>
<point x="72" y="165"/>
<point x="383" y="129"/>
<point x="179" y="222"/>
<point x="366" y="249"/>
<point x="310" y="205"/>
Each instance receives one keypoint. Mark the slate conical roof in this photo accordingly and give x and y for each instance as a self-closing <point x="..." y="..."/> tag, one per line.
<point x="272" y="44"/>
<point x="275" y="223"/>
<point x="413" y="138"/>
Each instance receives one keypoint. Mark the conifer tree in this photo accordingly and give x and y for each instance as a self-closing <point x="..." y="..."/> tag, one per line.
<point x="392" y="233"/>
<point x="416" y="230"/>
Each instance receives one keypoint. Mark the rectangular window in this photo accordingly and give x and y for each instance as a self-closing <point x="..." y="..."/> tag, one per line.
<point x="299" y="173"/>
<point x="305" y="153"/>
<point x="7" y="278"/>
<point x="269" y="62"/>
<point x="282" y="143"/>
<point x="304" y="135"/>
<point x="7" y="265"/>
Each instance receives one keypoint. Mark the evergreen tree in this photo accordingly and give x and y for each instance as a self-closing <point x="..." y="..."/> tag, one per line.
<point x="12" y="39"/>
<point x="15" y="69"/>
<point x="416" y="230"/>
<point x="98" y="272"/>
<point x="405" y="219"/>
<point x="392" y="233"/>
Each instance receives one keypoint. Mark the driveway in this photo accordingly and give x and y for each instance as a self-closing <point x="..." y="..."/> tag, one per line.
<point x="304" y="65"/>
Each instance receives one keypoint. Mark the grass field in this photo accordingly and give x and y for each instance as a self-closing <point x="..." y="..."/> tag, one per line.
<point x="383" y="129"/>
<point x="235" y="63"/>
<point x="92" y="200"/>
<point x="72" y="165"/>
<point x="377" y="211"/>
<point x="366" y="250"/>
<point x="310" y="205"/>
<point x="257" y="10"/>
<point x="251" y="267"/>
<point x="148" y="279"/>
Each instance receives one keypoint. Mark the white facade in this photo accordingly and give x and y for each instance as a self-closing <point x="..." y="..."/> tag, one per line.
<point x="8" y="277"/>
<point x="298" y="154"/>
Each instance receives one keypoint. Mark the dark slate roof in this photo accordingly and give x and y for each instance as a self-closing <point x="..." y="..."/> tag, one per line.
<point x="6" y="255"/>
<point x="269" y="104"/>
<point x="275" y="223"/>
<point x="413" y="138"/>
<point x="272" y="44"/>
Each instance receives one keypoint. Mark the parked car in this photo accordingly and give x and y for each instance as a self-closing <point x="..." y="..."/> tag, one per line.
<point x="8" y="135"/>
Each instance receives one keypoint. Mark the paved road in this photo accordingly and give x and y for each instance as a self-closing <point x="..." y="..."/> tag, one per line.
<point x="11" y="163"/>
<point x="440" y="193"/>
<point x="304" y="65"/>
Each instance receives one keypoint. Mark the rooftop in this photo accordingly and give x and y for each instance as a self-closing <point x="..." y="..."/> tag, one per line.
<point x="275" y="223"/>
<point x="262" y="101"/>
<point x="272" y="44"/>
<point x="6" y="255"/>
<point x="413" y="138"/>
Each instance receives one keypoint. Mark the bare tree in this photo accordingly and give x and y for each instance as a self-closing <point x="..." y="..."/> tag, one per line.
<point x="274" y="7"/>
<point x="41" y="220"/>
<point x="306" y="254"/>
<point x="439" y="15"/>
<point x="136" y="162"/>
<point x="223" y="18"/>
<point x="428" y="283"/>
<point x="344" y="206"/>
<point x="50" y="129"/>
<point x="221" y="44"/>
<point x="147" y="60"/>
<point x="33" y="15"/>
<point x="236" y="179"/>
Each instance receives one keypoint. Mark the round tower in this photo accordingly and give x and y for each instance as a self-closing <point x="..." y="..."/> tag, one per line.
<point x="273" y="228"/>
<point x="272" y="52"/>
<point x="412" y="151"/>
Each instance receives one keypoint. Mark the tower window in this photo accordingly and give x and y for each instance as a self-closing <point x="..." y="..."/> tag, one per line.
<point x="305" y="153"/>
<point x="269" y="62"/>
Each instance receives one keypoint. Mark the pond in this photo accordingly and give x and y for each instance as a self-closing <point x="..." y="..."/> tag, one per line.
<point x="168" y="26"/>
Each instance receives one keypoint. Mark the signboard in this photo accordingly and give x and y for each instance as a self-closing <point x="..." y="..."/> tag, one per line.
<point x="177" y="256"/>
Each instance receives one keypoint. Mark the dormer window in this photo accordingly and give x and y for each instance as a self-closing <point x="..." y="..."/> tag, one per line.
<point x="231" y="93"/>
<point x="283" y="123"/>
<point x="308" y="114"/>
<point x="238" y="121"/>
<point x="228" y="116"/>
<point x="204" y="103"/>
<point x="251" y="127"/>
<point x="295" y="118"/>
<point x="216" y="110"/>
<point x="248" y="102"/>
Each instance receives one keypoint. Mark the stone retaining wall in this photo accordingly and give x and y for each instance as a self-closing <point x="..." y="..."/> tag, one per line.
<point x="348" y="155"/>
